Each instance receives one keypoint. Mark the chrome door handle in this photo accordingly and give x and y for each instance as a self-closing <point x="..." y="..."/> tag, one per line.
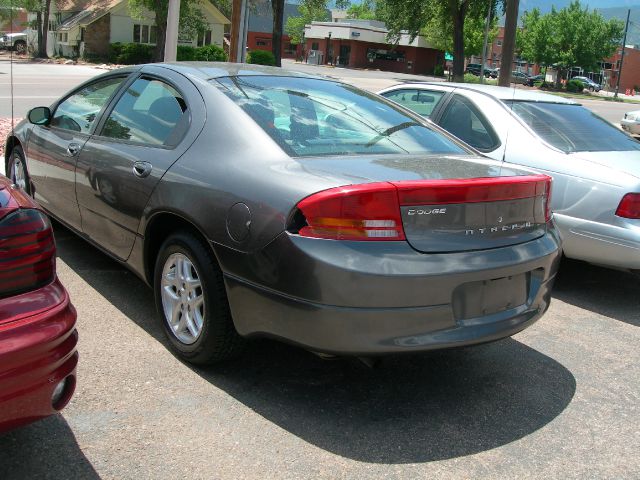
<point x="73" y="149"/>
<point x="142" y="169"/>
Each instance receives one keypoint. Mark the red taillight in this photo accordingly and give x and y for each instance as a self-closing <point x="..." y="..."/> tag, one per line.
<point x="27" y="252"/>
<point x="356" y="212"/>
<point x="629" y="206"/>
<point x="371" y="211"/>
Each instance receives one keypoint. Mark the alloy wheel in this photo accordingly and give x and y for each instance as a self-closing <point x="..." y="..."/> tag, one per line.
<point x="182" y="298"/>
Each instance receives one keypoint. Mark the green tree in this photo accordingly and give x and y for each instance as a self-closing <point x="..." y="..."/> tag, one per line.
<point x="365" y="10"/>
<point x="309" y="11"/>
<point x="191" y="19"/>
<point x="567" y="38"/>
<point x="441" y="20"/>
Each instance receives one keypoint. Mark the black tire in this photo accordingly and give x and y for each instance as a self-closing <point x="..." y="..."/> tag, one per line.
<point x="218" y="339"/>
<point x="20" y="46"/>
<point x="18" y="155"/>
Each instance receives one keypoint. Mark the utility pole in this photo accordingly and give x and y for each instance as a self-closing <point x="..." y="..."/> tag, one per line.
<point x="171" y="39"/>
<point x="624" y="42"/>
<point x="239" y="21"/>
<point x="509" y="43"/>
<point x="486" y="40"/>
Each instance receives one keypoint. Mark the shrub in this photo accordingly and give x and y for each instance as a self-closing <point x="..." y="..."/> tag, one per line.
<point x="185" y="53"/>
<point x="261" y="57"/>
<point x="471" y="78"/>
<point x="438" y="71"/>
<point x="575" y="86"/>
<point x="211" y="53"/>
<point x="130" y="53"/>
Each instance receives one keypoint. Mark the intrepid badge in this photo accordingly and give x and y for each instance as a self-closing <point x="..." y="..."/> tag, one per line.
<point x="501" y="228"/>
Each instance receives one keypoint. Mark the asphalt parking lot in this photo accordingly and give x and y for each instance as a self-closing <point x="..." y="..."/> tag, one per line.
<point x="559" y="400"/>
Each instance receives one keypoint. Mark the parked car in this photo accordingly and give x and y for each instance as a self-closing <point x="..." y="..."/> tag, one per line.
<point x="535" y="78"/>
<point x="259" y="202"/>
<point x="473" y="68"/>
<point x="492" y="72"/>
<point x="37" y="321"/>
<point x="594" y="165"/>
<point x="519" y="77"/>
<point x="14" y="41"/>
<point x="588" y="84"/>
<point x="631" y="122"/>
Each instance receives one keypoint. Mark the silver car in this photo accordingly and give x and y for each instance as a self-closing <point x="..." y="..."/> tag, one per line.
<point x="259" y="202"/>
<point x="631" y="122"/>
<point x="594" y="165"/>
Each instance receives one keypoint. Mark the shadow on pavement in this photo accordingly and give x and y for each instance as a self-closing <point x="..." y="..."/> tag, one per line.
<point x="45" y="449"/>
<point x="414" y="408"/>
<point x="608" y="292"/>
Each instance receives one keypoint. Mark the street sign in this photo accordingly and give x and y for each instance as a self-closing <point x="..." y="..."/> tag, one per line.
<point x="448" y="57"/>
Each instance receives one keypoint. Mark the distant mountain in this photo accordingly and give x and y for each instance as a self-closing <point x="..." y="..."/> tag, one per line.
<point x="545" y="5"/>
<point x="633" y="35"/>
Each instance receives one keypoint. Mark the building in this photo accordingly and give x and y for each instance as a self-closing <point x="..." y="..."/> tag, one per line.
<point x="494" y="57"/>
<point x="363" y="44"/>
<point x="259" y="34"/>
<point x="88" y="27"/>
<point x="12" y="22"/>
<point x="630" y="79"/>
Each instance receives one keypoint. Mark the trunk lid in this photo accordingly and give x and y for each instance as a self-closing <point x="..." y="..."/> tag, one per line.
<point x="446" y="204"/>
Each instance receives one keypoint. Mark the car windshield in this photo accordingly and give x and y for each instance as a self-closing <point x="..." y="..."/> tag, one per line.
<point x="311" y="117"/>
<point x="572" y="128"/>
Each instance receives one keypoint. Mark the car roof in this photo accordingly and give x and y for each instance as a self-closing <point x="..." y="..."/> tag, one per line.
<point x="209" y="70"/>
<point x="499" y="93"/>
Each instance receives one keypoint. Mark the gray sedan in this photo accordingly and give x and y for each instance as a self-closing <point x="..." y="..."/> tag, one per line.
<point x="258" y="202"/>
<point x="594" y="165"/>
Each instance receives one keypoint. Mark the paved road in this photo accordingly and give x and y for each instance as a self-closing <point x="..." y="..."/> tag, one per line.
<point x="37" y="84"/>
<point x="560" y="400"/>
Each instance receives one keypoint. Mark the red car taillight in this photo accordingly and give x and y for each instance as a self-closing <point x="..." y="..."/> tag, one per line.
<point x="371" y="211"/>
<point x="629" y="206"/>
<point x="368" y="211"/>
<point x="27" y="252"/>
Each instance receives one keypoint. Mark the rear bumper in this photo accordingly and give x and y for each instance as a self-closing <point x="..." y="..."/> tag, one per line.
<point x="358" y="298"/>
<point x="600" y="243"/>
<point x="631" y="126"/>
<point x="37" y="352"/>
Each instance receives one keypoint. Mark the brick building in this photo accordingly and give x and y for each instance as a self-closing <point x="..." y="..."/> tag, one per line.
<point x="630" y="69"/>
<point x="259" y="34"/>
<point x="363" y="44"/>
<point x="494" y="57"/>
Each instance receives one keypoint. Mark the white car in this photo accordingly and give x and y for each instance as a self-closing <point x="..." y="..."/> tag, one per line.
<point x="631" y="122"/>
<point x="14" y="41"/>
<point x="595" y="166"/>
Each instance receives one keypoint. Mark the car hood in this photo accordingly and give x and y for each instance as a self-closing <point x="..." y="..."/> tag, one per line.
<point x="14" y="35"/>
<point x="626" y="162"/>
<point x="380" y="168"/>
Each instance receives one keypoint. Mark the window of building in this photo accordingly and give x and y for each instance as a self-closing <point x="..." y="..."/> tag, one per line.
<point x="315" y="46"/>
<point x="204" y="38"/>
<point x="144" y="33"/>
<point x="499" y="43"/>
<point x="381" y="54"/>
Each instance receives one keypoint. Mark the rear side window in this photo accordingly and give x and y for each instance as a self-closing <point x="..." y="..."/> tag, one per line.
<point x="572" y="128"/>
<point x="150" y="112"/>
<point x="423" y="102"/>
<point x="464" y="120"/>
<point x="312" y="117"/>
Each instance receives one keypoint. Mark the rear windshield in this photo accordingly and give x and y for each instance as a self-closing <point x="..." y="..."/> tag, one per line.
<point x="311" y="117"/>
<point x="573" y="128"/>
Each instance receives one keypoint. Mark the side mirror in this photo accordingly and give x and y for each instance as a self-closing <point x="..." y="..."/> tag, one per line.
<point x="39" y="115"/>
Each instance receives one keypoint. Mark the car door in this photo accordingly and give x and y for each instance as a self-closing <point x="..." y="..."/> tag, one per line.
<point x="53" y="149"/>
<point x="157" y="116"/>
<point x="421" y="101"/>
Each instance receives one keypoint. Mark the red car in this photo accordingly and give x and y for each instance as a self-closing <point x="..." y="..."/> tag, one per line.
<point x="38" y="337"/>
